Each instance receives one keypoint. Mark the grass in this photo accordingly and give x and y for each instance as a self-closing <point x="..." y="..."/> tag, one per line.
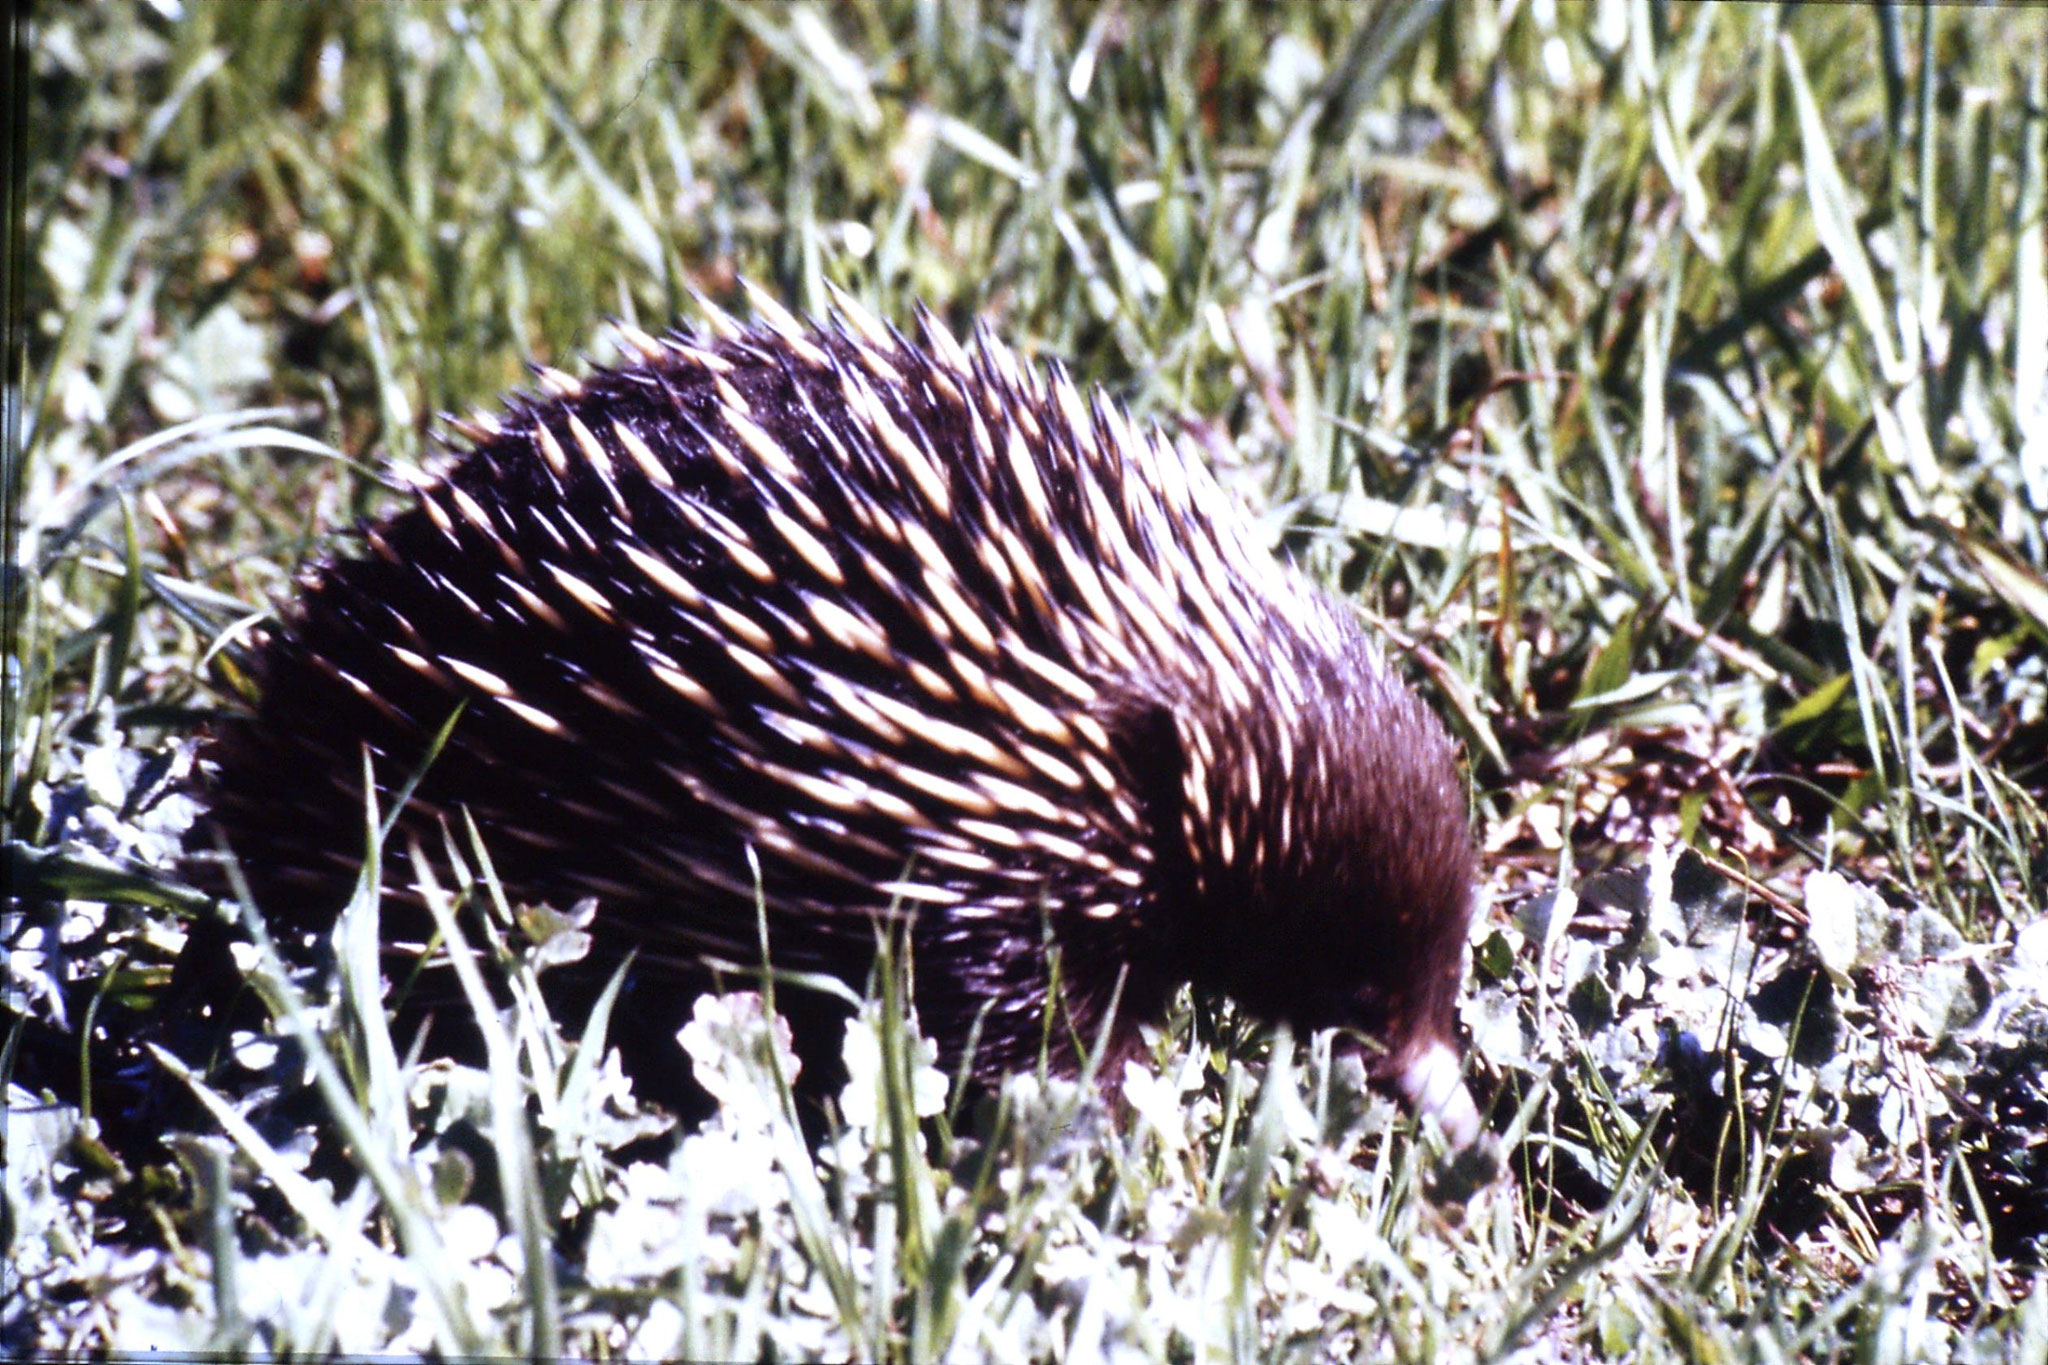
<point x="1670" y="382"/>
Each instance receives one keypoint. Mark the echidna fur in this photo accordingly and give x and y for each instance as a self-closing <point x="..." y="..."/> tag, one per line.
<point x="929" y="631"/>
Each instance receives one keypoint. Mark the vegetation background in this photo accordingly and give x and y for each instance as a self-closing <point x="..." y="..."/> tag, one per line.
<point x="1669" y="381"/>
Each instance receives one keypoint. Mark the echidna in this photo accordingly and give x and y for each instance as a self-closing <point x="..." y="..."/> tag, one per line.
<point x="861" y="624"/>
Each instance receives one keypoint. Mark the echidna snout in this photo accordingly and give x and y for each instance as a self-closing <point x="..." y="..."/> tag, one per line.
<point x="858" y="626"/>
